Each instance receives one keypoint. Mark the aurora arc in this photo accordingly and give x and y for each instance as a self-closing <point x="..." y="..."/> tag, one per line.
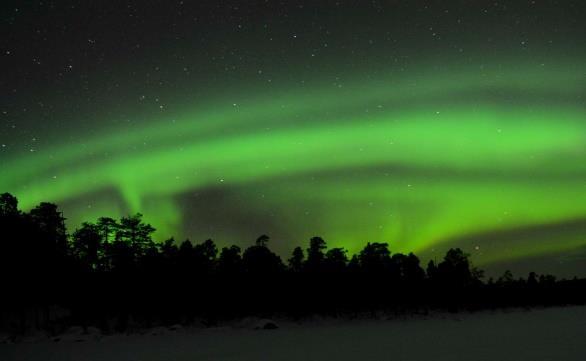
<point x="413" y="161"/>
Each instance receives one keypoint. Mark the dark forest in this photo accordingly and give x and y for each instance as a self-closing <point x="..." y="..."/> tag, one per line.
<point x="111" y="274"/>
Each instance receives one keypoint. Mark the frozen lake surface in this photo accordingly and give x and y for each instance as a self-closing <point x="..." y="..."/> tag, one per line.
<point x="556" y="334"/>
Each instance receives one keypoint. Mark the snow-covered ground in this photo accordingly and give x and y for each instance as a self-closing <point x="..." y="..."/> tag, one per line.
<point x="556" y="334"/>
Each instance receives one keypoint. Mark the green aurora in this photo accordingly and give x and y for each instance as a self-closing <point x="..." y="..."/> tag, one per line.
<point x="422" y="161"/>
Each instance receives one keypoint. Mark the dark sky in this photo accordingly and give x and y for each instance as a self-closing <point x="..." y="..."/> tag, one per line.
<point x="63" y="59"/>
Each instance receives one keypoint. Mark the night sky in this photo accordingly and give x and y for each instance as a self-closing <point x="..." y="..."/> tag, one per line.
<point x="425" y="124"/>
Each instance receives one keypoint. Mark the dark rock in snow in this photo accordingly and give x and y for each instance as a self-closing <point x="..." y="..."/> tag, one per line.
<point x="270" y="326"/>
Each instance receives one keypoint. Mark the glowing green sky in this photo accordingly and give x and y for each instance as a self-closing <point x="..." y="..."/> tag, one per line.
<point x="468" y="138"/>
<point x="412" y="161"/>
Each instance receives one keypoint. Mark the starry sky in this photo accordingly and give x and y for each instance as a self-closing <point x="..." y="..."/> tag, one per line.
<point x="425" y="124"/>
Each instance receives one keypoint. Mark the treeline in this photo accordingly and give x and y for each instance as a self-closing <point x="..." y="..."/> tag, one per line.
<point x="111" y="274"/>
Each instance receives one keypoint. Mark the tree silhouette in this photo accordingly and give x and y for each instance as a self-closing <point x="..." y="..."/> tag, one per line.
<point x="354" y="264"/>
<point x="86" y="245"/>
<point x="455" y="270"/>
<point x="315" y="254"/>
<point x="169" y="249"/>
<point x="547" y="279"/>
<point x="122" y="256"/>
<point x="230" y="261"/>
<point x="258" y="260"/>
<point x="108" y="228"/>
<point x="336" y="260"/>
<point x="15" y="238"/>
<point x="375" y="258"/>
<point x="186" y="258"/>
<point x="114" y="270"/>
<point x="8" y="205"/>
<point x="506" y="279"/>
<point x="205" y="255"/>
<point x="532" y="279"/>
<point x="431" y="270"/>
<point x="406" y="268"/>
<point x="51" y="224"/>
<point x="262" y="240"/>
<point x="132" y="230"/>
<point x="296" y="260"/>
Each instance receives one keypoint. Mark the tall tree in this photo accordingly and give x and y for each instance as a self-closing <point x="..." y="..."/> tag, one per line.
<point x="406" y="268"/>
<point x="169" y="254"/>
<point x="336" y="260"/>
<point x="375" y="258"/>
<point x="108" y="228"/>
<point x="315" y="254"/>
<point x="52" y="232"/>
<point x="230" y="261"/>
<point x="455" y="270"/>
<point x="259" y="260"/>
<point x="262" y="240"/>
<point x="296" y="260"/>
<point x="8" y="205"/>
<point x="186" y="257"/>
<point x="87" y="244"/>
<point x="135" y="232"/>
<point x="205" y="255"/>
<point x="15" y="236"/>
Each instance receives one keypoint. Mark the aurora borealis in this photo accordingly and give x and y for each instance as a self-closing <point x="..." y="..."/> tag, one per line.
<point x="392" y="132"/>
